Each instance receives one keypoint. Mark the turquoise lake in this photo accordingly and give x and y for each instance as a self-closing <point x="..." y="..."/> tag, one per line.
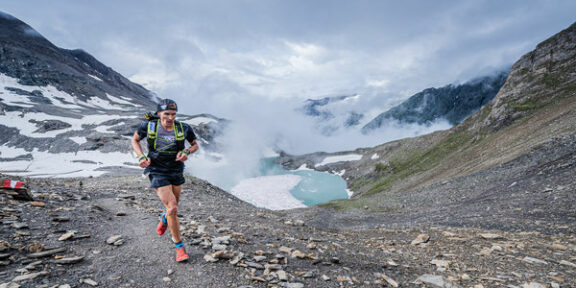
<point x="313" y="188"/>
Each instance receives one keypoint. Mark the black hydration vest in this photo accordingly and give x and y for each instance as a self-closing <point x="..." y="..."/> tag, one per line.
<point x="153" y="130"/>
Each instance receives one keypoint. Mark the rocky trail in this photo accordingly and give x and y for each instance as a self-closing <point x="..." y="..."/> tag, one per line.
<point x="103" y="235"/>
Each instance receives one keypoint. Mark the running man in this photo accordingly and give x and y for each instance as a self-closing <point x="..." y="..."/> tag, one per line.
<point x="165" y="164"/>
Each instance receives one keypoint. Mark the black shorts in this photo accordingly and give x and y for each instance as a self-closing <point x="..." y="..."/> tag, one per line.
<point x="161" y="180"/>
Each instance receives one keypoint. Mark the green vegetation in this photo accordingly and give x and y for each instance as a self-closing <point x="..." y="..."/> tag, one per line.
<point x="530" y="104"/>
<point x="551" y="80"/>
<point x="420" y="160"/>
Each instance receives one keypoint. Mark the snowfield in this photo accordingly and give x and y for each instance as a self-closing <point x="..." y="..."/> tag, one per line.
<point x="271" y="192"/>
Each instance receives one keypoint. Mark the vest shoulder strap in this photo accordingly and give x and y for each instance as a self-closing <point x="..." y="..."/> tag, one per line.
<point x="152" y="129"/>
<point x="179" y="133"/>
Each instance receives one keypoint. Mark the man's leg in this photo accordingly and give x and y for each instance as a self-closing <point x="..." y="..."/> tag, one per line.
<point x="168" y="197"/>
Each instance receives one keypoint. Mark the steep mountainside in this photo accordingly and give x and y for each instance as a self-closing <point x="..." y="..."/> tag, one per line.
<point x="34" y="61"/>
<point x="452" y="102"/>
<point x="63" y="112"/>
<point x="520" y="144"/>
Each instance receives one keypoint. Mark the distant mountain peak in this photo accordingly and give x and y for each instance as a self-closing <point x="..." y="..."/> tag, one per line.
<point x="452" y="102"/>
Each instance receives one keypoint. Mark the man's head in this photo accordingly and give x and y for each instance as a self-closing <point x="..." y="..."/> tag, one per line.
<point x="166" y="104"/>
<point x="166" y="109"/>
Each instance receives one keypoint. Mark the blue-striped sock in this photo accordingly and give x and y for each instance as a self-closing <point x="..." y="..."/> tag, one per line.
<point x="180" y="244"/>
<point x="163" y="217"/>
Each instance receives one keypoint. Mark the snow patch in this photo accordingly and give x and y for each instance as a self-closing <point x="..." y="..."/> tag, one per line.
<point x="80" y="164"/>
<point x="350" y="193"/>
<point x="304" y="167"/>
<point x="95" y="77"/>
<point x="340" y="158"/>
<point x="341" y="173"/>
<point x="271" y="192"/>
<point x="200" y="120"/>
<point x="79" y="140"/>
<point x="119" y="100"/>
<point x="375" y="156"/>
<point x="22" y="122"/>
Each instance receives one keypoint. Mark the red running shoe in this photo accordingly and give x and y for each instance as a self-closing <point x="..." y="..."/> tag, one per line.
<point x="181" y="255"/>
<point x="162" y="225"/>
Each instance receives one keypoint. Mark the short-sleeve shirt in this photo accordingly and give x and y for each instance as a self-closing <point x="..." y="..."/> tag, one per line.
<point x="164" y="156"/>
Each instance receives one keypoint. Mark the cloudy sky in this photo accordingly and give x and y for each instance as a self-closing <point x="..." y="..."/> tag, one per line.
<point x="227" y="57"/>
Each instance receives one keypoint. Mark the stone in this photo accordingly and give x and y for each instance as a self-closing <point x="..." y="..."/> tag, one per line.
<point x="60" y="219"/>
<point x="491" y="236"/>
<point x="273" y="267"/>
<point x="33" y="265"/>
<point x="210" y="258"/>
<point x="309" y="274"/>
<point x="66" y="236"/>
<point x="325" y="278"/>
<point x="254" y="265"/>
<point x="237" y="258"/>
<point x="390" y="280"/>
<point x="435" y="281"/>
<point x="558" y="247"/>
<point x="115" y="240"/>
<point x="292" y="285"/>
<point x="298" y="254"/>
<point x="212" y="219"/>
<point x="259" y="258"/>
<point x="222" y="240"/>
<point x="69" y="260"/>
<point x="534" y="260"/>
<point x="441" y="264"/>
<point x="47" y="253"/>
<point x="420" y="239"/>
<point x="29" y="276"/>
<point x="10" y="285"/>
<point x="90" y="282"/>
<point x="285" y="250"/>
<point x="170" y="272"/>
<point x="344" y="279"/>
<point x="533" y="285"/>
<point x="4" y="246"/>
<point x="282" y="275"/>
<point x="564" y="262"/>
<point x="259" y="279"/>
<point x="38" y="204"/>
<point x="126" y="196"/>
<point x="219" y="247"/>
<point x="20" y="225"/>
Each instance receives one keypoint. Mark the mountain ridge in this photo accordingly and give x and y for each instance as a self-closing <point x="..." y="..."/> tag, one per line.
<point x="451" y="102"/>
<point x="32" y="59"/>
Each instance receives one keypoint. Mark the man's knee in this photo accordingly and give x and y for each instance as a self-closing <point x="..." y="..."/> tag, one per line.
<point x="172" y="209"/>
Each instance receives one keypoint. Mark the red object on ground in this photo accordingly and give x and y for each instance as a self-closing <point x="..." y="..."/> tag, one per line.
<point x="9" y="184"/>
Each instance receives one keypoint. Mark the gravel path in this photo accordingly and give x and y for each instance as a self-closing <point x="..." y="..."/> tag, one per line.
<point x="233" y="244"/>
